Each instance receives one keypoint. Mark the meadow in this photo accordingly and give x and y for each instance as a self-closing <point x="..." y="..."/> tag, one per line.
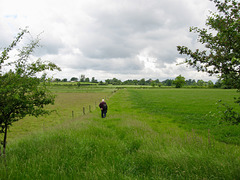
<point x="148" y="134"/>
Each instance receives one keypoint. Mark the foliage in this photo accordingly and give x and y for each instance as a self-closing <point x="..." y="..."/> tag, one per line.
<point x="168" y="82"/>
<point x="21" y="92"/>
<point x="179" y="81"/>
<point x="229" y="115"/>
<point x="94" y="80"/>
<point x="82" y="78"/>
<point x="210" y="84"/>
<point x="153" y="84"/>
<point x="74" y="79"/>
<point x="222" y="43"/>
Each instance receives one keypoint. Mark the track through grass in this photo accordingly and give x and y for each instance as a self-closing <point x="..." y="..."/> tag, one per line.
<point x="131" y="143"/>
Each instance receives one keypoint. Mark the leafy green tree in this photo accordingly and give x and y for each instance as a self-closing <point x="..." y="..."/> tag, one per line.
<point x="108" y="81"/>
<point x="194" y="83"/>
<point x="142" y="82"/>
<point x="222" y="43"/>
<point x="210" y="84"/>
<point x="218" y="84"/>
<point x="82" y="78"/>
<point x="75" y="79"/>
<point x="116" y="81"/>
<point x="101" y="83"/>
<point x="168" y="82"/>
<point x="221" y="55"/>
<point x="153" y="83"/>
<point x="200" y="83"/>
<point x="135" y="82"/>
<point x="64" y="80"/>
<point x="94" y="80"/>
<point x="148" y="82"/>
<point x="57" y="80"/>
<point x="179" y="81"/>
<point x="87" y="80"/>
<point x="22" y="93"/>
<point x="191" y="82"/>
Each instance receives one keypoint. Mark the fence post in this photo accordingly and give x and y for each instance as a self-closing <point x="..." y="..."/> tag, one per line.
<point x="72" y="114"/>
<point x="209" y="138"/>
<point x="89" y="108"/>
<point x="83" y="110"/>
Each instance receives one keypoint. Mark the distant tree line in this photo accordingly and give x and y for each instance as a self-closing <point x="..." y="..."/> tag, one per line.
<point x="178" y="82"/>
<point x="75" y="79"/>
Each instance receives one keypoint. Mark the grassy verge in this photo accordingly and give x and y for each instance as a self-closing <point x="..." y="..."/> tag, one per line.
<point x="131" y="143"/>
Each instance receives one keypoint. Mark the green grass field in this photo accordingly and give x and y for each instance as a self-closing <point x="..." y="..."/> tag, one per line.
<point x="148" y="134"/>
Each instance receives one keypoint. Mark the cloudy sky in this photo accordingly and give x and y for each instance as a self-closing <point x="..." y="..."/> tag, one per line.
<point x="125" y="39"/>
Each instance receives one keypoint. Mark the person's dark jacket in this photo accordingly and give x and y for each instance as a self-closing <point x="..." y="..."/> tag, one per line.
<point x="103" y="106"/>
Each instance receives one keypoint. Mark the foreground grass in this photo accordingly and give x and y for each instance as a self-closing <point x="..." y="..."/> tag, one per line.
<point x="131" y="143"/>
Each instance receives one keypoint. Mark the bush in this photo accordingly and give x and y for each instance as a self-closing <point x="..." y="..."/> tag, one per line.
<point x="229" y="115"/>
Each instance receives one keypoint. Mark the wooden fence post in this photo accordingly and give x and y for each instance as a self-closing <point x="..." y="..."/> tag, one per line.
<point x="83" y="110"/>
<point x="209" y="138"/>
<point x="89" y="108"/>
<point x="72" y="114"/>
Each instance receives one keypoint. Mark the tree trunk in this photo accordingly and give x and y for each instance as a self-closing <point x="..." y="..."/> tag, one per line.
<point x="5" y="140"/>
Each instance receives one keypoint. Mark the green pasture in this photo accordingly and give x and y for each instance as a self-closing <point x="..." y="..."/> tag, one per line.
<point x="148" y="134"/>
<point x="69" y="103"/>
<point x="197" y="109"/>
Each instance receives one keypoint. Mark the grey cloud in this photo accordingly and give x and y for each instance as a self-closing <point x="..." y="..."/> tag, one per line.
<point x="50" y="43"/>
<point x="109" y="35"/>
<point x="123" y="31"/>
<point x="118" y="65"/>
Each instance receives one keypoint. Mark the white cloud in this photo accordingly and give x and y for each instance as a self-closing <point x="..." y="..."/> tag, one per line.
<point x="106" y="38"/>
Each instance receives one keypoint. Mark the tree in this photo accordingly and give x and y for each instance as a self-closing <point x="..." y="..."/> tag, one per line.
<point x="142" y="82"/>
<point x="153" y="84"/>
<point x="179" y="81"/>
<point x="218" y="84"/>
<point x="108" y="81"/>
<point x="222" y="43"/>
<point x="87" y="80"/>
<point x="200" y="83"/>
<point x="64" y="80"/>
<point x="191" y="82"/>
<point x="210" y="84"/>
<point x="82" y="79"/>
<point x="22" y="93"/>
<point x="221" y="55"/>
<point x="57" y="80"/>
<point x="101" y="83"/>
<point x="116" y="81"/>
<point x="74" y="79"/>
<point x="94" y="80"/>
<point x="168" y="82"/>
<point x="148" y="82"/>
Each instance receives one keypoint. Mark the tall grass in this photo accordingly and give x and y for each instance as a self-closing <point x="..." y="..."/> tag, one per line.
<point x="131" y="143"/>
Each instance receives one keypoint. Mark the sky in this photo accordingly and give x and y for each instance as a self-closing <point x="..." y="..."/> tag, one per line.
<point x="105" y="39"/>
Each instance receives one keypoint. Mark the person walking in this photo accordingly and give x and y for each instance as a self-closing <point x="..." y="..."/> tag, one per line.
<point x="103" y="106"/>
